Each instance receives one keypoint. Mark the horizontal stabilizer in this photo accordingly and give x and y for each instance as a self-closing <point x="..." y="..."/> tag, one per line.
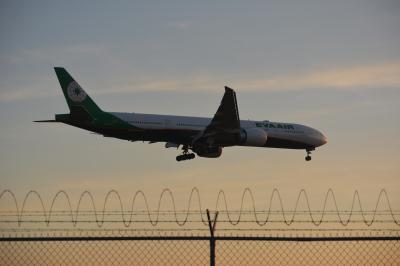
<point x="45" y="121"/>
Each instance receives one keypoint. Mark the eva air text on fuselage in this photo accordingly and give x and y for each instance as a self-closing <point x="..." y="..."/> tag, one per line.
<point x="274" y="125"/>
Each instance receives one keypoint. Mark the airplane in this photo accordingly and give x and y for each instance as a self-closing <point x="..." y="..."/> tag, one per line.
<point x="205" y="137"/>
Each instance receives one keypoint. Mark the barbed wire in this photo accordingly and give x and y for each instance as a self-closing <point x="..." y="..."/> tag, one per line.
<point x="153" y="216"/>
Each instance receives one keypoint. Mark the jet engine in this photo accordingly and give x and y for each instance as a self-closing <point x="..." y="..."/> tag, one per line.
<point x="253" y="137"/>
<point x="208" y="152"/>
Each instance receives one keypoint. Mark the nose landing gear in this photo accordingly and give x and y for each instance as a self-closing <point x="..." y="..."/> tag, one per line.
<point x="186" y="155"/>
<point x="308" y="157"/>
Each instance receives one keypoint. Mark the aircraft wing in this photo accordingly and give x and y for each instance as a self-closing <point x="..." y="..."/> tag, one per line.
<point x="225" y="125"/>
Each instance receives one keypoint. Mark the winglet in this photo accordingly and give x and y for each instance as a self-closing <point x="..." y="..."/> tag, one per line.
<point x="227" y="115"/>
<point x="228" y="89"/>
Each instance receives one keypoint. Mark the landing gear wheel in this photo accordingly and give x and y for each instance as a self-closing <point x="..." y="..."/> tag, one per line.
<point x="186" y="155"/>
<point x="308" y="157"/>
<point x="185" y="149"/>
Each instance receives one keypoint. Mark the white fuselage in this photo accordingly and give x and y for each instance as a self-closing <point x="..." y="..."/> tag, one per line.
<point x="289" y="132"/>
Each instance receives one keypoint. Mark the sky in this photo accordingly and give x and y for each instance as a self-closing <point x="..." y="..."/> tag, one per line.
<point x="332" y="65"/>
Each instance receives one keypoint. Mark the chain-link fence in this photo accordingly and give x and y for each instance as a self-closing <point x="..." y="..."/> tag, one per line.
<point x="314" y="252"/>
<point x="189" y="250"/>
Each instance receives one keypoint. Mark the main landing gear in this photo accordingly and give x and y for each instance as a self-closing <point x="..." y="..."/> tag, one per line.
<point x="308" y="157"/>
<point x="186" y="155"/>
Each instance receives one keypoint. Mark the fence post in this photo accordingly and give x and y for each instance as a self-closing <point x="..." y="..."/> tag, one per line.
<point x="211" y="225"/>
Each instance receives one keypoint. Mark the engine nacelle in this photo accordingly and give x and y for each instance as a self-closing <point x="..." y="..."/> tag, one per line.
<point x="253" y="137"/>
<point x="208" y="152"/>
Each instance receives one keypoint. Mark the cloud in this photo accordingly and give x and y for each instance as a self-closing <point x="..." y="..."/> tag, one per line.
<point x="23" y="94"/>
<point x="381" y="75"/>
<point x="378" y="75"/>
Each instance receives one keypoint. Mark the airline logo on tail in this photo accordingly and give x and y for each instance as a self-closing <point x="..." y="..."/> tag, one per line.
<point x="75" y="92"/>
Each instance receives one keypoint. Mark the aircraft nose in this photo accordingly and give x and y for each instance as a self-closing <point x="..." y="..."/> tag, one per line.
<point x="323" y="139"/>
<point x="318" y="139"/>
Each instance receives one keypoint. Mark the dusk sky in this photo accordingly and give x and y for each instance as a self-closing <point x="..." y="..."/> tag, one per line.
<point x="332" y="65"/>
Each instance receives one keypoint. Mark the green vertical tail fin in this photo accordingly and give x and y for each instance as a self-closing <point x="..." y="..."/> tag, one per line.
<point x="81" y="106"/>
